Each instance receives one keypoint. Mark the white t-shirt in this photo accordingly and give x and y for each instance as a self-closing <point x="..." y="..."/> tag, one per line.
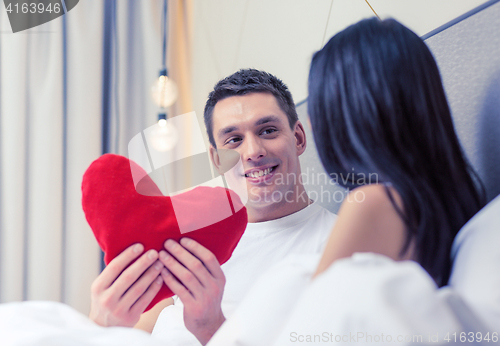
<point x="262" y="245"/>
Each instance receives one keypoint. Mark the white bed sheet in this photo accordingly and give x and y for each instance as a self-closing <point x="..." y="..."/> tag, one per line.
<point x="44" y="323"/>
<point x="365" y="299"/>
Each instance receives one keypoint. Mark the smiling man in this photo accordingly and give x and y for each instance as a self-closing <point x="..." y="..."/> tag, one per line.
<point x="269" y="143"/>
<point x="253" y="114"/>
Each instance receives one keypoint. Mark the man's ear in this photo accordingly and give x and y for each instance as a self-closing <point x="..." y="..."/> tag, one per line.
<point x="300" y="137"/>
<point x="215" y="158"/>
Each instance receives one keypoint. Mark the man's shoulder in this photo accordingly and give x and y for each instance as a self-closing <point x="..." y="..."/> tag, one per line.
<point x="318" y="227"/>
<point x="304" y="231"/>
<point x="322" y="215"/>
<point x="324" y="210"/>
<point x="314" y="226"/>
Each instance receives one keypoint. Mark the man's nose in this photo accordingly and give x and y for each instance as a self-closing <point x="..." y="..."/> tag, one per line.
<point x="254" y="149"/>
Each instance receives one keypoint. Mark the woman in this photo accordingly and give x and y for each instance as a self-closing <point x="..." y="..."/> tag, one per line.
<point x="378" y="108"/>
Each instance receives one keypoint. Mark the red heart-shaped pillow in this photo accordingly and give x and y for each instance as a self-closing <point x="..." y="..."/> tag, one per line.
<point x="120" y="217"/>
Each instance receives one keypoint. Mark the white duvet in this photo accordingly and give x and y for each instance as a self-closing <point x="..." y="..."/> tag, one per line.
<point x="370" y="299"/>
<point x="365" y="299"/>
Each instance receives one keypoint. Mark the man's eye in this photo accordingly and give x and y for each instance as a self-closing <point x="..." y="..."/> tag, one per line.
<point x="233" y="140"/>
<point x="268" y="131"/>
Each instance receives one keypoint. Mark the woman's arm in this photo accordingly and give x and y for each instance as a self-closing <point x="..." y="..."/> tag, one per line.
<point x="367" y="222"/>
<point x="148" y="319"/>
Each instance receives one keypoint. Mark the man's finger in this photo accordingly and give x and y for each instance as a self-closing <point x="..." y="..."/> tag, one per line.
<point x="175" y="286"/>
<point x="205" y="256"/>
<point x="183" y="275"/>
<point x="191" y="262"/>
<point x="132" y="273"/>
<point x="117" y="265"/>
<point x="142" y="303"/>
<point x="134" y="293"/>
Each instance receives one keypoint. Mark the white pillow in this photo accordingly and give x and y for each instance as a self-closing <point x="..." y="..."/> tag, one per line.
<point x="476" y="263"/>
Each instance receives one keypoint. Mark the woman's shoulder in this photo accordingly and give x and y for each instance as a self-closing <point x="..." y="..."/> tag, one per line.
<point x="374" y="198"/>
<point x="371" y="219"/>
<point x="367" y="221"/>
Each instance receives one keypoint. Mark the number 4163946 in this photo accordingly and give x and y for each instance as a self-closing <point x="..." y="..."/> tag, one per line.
<point x="33" y="8"/>
<point x="471" y="337"/>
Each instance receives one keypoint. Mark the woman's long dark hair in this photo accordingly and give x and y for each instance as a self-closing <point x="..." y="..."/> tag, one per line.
<point x="377" y="106"/>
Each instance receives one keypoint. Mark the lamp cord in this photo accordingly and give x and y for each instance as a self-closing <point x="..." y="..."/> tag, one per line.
<point x="372" y="9"/>
<point x="327" y="22"/>
<point x="240" y="36"/>
<point x="164" y="32"/>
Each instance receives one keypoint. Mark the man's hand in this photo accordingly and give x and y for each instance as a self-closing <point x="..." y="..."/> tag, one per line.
<point x="118" y="297"/>
<point x="195" y="276"/>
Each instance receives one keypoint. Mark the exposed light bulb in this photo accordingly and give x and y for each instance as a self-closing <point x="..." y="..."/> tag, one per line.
<point x="164" y="91"/>
<point x="164" y="136"/>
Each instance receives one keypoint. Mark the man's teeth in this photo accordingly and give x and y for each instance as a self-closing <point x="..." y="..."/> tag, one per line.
<point x="258" y="174"/>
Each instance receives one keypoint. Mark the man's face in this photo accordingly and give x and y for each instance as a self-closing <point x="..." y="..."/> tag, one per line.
<point x="258" y="130"/>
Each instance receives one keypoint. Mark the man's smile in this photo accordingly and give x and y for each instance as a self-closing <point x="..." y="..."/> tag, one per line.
<point x="260" y="174"/>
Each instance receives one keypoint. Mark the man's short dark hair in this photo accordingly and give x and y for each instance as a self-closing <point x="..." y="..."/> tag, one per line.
<point x="244" y="82"/>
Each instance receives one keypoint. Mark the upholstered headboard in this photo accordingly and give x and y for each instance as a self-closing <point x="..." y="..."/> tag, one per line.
<point x="467" y="51"/>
